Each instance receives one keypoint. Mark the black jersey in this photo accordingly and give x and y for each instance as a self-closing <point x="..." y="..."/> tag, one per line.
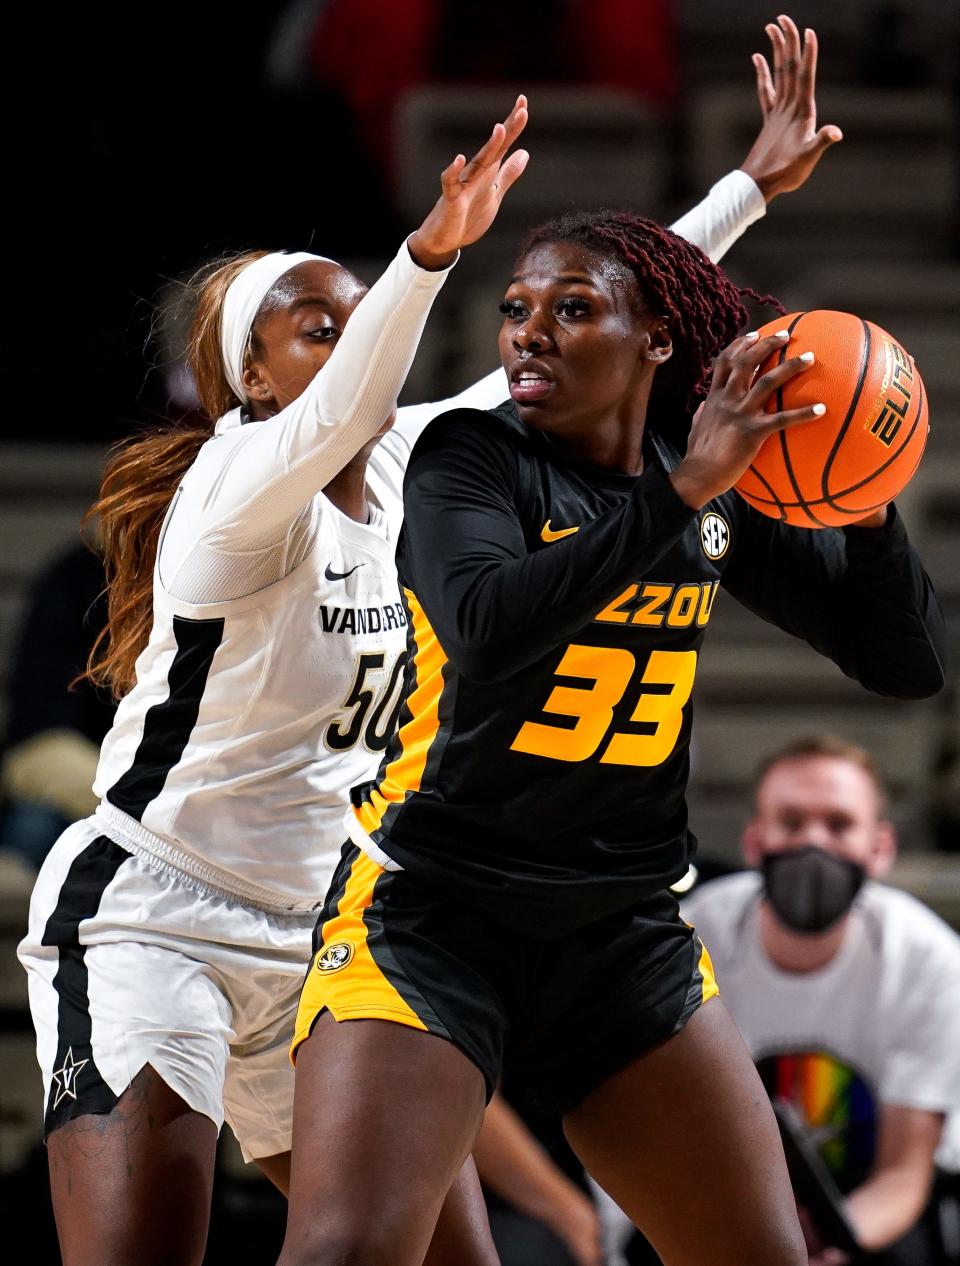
<point x="556" y="613"/>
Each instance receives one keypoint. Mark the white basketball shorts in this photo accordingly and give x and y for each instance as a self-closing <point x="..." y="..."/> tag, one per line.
<point x="131" y="962"/>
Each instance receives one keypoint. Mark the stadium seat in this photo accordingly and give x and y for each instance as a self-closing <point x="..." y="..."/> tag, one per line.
<point x="888" y="198"/>
<point x="44" y="493"/>
<point x="591" y="147"/>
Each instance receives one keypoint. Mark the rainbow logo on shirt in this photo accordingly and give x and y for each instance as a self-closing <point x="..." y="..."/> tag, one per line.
<point x="836" y="1103"/>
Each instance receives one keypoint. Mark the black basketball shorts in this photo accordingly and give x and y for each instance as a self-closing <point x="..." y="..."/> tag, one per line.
<point x="565" y="1014"/>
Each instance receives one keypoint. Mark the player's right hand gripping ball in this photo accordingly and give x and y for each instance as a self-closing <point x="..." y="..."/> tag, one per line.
<point x="839" y="468"/>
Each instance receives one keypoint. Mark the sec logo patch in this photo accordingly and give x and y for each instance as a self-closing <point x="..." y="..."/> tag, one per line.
<point x="334" y="957"/>
<point x="714" y="535"/>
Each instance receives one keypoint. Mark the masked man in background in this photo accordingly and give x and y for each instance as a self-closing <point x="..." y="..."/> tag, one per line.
<point x="847" y="993"/>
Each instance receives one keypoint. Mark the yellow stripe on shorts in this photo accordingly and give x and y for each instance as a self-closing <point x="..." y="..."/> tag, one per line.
<point x="344" y="977"/>
<point x="705" y="966"/>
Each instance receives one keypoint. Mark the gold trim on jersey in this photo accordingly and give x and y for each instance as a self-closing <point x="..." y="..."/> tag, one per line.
<point x="356" y="988"/>
<point x="404" y="774"/>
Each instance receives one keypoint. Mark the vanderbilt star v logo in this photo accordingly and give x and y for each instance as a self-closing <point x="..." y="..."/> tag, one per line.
<point x="548" y="534"/>
<point x="340" y="575"/>
<point x="65" y="1077"/>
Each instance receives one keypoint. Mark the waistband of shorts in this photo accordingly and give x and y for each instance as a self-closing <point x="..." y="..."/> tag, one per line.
<point x="357" y="835"/>
<point x="134" y="836"/>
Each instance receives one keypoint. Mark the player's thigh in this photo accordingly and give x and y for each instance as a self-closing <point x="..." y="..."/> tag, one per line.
<point x="135" y="1106"/>
<point x="132" y="1044"/>
<point x="385" y="1116"/>
<point x="134" y="1185"/>
<point x="399" y="1040"/>
<point x="685" y="1141"/>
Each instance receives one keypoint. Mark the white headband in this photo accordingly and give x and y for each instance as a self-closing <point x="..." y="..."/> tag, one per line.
<point x="242" y="302"/>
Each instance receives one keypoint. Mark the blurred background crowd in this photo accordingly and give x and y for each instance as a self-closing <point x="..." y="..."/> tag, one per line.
<point x="181" y="131"/>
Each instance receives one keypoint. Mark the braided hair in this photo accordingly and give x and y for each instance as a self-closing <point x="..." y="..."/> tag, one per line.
<point x="704" y="309"/>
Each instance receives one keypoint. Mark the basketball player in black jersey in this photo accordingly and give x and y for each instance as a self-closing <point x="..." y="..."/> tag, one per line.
<point x="505" y="893"/>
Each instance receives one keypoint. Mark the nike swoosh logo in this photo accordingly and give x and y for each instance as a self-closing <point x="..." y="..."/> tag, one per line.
<point x="548" y="534"/>
<point x="340" y="575"/>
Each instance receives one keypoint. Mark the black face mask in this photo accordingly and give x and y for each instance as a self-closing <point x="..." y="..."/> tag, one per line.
<point x="809" y="888"/>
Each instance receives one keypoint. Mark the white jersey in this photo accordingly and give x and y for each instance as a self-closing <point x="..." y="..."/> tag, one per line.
<point x="271" y="679"/>
<point x="879" y="1024"/>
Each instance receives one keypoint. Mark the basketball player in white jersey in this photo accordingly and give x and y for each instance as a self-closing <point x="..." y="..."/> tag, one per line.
<point x="259" y="668"/>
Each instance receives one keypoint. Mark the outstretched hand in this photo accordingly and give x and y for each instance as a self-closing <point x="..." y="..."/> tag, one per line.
<point x="789" y="145"/>
<point x="471" y="194"/>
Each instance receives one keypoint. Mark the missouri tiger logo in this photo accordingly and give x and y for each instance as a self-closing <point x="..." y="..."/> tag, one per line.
<point x="334" y="957"/>
<point x="714" y="535"/>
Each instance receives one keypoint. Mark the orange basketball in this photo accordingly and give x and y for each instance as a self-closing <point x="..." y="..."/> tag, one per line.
<point x="864" y="450"/>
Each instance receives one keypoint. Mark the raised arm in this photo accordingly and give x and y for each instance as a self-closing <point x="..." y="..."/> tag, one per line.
<point x="277" y="466"/>
<point x="787" y="149"/>
<point x="789" y="144"/>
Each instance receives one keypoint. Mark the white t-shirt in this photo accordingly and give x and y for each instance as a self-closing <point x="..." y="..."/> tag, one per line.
<point x="272" y="676"/>
<point x="879" y="1024"/>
